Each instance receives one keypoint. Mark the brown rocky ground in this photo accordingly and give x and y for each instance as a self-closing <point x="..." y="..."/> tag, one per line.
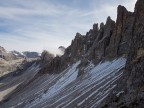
<point x="9" y="66"/>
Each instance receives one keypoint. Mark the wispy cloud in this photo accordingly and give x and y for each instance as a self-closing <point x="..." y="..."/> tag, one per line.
<point x="48" y="24"/>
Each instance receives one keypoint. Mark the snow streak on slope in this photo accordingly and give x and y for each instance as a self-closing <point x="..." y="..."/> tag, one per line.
<point x="65" y="79"/>
<point x="66" y="90"/>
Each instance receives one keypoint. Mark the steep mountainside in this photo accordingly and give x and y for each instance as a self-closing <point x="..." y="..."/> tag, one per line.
<point x="109" y="41"/>
<point x="67" y="89"/>
<point x="132" y="83"/>
<point x="104" y="68"/>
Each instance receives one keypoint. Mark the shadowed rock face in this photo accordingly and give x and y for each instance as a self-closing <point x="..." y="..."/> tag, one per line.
<point x="123" y="30"/>
<point x="91" y="46"/>
<point x="139" y="9"/>
<point x="110" y="40"/>
<point x="135" y="62"/>
<point x="133" y="78"/>
<point x="123" y="37"/>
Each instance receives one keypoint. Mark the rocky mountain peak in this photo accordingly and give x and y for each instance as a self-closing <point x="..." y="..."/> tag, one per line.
<point x="139" y="7"/>
<point x="108" y="19"/>
<point x="130" y="32"/>
<point x="95" y="27"/>
<point x="121" y="9"/>
<point x="62" y="49"/>
<point x="78" y="35"/>
<point x="101" y="25"/>
<point x="2" y="49"/>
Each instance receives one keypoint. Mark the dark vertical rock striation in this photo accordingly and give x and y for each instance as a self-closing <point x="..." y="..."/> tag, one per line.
<point x="132" y="82"/>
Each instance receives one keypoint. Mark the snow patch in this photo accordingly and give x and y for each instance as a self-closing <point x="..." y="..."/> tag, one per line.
<point x="119" y="93"/>
<point x="66" y="79"/>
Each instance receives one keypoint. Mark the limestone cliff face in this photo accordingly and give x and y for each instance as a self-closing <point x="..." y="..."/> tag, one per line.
<point x="132" y="83"/>
<point x="112" y="39"/>
<point x="135" y="62"/>
<point x="123" y="32"/>
<point x="97" y="44"/>
<point x="125" y="37"/>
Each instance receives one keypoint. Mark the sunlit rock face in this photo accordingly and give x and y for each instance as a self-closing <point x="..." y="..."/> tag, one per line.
<point x="6" y="55"/>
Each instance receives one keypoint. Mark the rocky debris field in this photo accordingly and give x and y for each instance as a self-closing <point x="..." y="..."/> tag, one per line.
<point x="67" y="89"/>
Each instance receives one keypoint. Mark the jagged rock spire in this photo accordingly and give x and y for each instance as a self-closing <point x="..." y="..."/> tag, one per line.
<point x="95" y="27"/>
<point x="139" y="7"/>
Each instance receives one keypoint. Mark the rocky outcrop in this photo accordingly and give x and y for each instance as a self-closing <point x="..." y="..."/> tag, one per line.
<point x="101" y="47"/>
<point x="6" y="55"/>
<point x="99" y="43"/>
<point x="123" y="30"/>
<point x="62" y="49"/>
<point x="113" y="39"/>
<point x="132" y="82"/>
<point x="46" y="56"/>
<point x="52" y="66"/>
<point x="2" y="49"/>
<point x="135" y="63"/>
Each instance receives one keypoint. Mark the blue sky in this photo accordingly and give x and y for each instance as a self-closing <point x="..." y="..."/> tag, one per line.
<point x="35" y="25"/>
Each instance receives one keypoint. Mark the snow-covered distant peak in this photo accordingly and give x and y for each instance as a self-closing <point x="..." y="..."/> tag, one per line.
<point x="25" y="54"/>
<point x="17" y="54"/>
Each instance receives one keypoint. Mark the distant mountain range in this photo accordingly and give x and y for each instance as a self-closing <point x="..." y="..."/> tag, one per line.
<point x="26" y="54"/>
<point x="15" y="54"/>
